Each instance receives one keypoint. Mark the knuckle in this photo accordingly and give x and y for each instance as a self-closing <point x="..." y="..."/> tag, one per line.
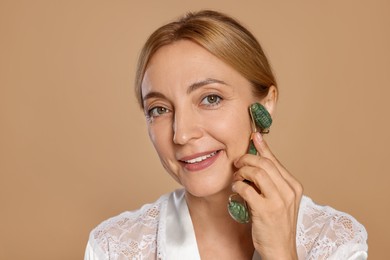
<point x="265" y="162"/>
<point x="260" y="174"/>
<point x="290" y="196"/>
<point x="299" y="189"/>
<point x="258" y="179"/>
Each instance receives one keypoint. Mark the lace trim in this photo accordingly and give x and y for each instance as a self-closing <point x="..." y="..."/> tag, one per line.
<point x="130" y="235"/>
<point x="161" y="230"/>
<point x="323" y="232"/>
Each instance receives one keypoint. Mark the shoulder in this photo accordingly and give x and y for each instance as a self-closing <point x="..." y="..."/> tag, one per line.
<point x="131" y="233"/>
<point x="325" y="233"/>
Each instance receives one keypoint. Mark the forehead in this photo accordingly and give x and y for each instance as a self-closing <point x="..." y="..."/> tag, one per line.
<point x="185" y="62"/>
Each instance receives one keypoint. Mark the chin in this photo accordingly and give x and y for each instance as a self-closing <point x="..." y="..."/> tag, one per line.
<point x="208" y="191"/>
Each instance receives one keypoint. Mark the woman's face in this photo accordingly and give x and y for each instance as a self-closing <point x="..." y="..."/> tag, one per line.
<point x="197" y="116"/>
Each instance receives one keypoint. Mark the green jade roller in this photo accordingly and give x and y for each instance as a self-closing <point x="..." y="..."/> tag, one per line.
<point x="261" y="119"/>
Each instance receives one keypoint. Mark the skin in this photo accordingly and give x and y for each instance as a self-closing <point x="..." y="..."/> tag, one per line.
<point x="196" y="105"/>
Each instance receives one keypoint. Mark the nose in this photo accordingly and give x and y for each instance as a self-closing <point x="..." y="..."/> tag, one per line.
<point x="186" y="127"/>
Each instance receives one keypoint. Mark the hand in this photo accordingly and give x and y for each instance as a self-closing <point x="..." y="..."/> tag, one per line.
<point x="273" y="197"/>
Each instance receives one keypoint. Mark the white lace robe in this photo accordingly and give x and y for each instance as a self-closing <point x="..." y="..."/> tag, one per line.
<point x="163" y="230"/>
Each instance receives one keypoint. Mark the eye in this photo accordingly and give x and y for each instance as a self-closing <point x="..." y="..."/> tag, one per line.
<point x="211" y="100"/>
<point x="157" y="111"/>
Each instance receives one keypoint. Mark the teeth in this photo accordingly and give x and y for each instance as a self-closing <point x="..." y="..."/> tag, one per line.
<point x="201" y="158"/>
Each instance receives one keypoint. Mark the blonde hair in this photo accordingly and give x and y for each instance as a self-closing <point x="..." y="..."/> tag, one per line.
<point x="222" y="36"/>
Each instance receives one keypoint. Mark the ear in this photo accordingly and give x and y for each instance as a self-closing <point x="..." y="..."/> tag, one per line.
<point x="269" y="101"/>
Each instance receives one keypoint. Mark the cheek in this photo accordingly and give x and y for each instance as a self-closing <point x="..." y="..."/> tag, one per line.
<point x="234" y="128"/>
<point x="160" y="137"/>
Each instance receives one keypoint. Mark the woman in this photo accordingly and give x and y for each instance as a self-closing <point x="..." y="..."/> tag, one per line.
<point x="196" y="78"/>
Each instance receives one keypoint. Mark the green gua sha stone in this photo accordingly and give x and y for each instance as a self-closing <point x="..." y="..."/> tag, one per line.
<point x="238" y="210"/>
<point x="260" y="116"/>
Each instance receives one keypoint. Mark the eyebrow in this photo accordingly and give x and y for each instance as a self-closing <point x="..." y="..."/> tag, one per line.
<point x="191" y="88"/>
<point x="202" y="83"/>
<point x="153" y="94"/>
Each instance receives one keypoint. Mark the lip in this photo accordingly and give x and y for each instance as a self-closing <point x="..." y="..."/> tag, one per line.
<point x="199" y="165"/>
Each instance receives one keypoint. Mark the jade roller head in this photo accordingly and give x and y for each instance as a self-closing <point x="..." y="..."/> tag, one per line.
<point x="238" y="209"/>
<point x="260" y="118"/>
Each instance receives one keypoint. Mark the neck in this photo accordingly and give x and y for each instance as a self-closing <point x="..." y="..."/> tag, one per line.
<point x="214" y="206"/>
<point x="215" y="230"/>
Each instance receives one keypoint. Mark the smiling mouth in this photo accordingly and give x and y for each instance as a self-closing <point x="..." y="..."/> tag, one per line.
<point x="201" y="158"/>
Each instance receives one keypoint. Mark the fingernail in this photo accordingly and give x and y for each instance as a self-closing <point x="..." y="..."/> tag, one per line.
<point x="258" y="137"/>
<point x="234" y="187"/>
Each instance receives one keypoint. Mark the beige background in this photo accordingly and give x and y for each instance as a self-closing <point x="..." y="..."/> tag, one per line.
<point x="73" y="143"/>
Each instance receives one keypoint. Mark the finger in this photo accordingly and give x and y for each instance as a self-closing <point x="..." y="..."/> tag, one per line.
<point x="287" y="189"/>
<point x="249" y="194"/>
<point x="264" y="150"/>
<point x="259" y="179"/>
<point x="263" y="165"/>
